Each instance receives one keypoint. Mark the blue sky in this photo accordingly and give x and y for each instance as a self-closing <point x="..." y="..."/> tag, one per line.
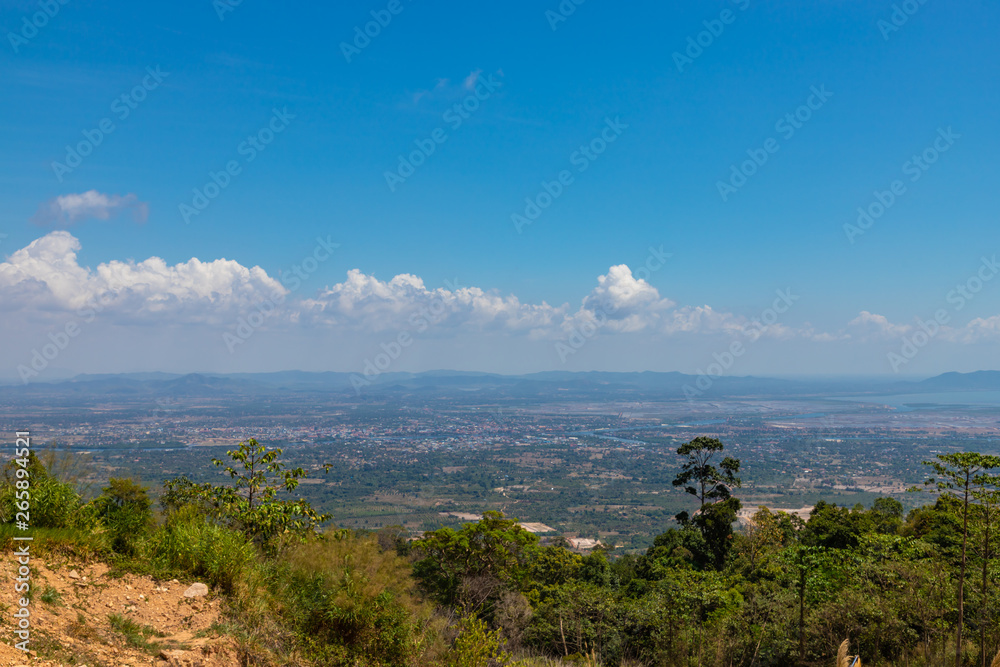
<point x="543" y="93"/>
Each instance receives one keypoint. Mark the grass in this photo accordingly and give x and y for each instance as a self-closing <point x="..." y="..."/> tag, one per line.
<point x="51" y="596"/>
<point x="136" y="635"/>
<point x="73" y="543"/>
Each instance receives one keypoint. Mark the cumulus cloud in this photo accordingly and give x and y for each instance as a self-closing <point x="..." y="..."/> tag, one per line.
<point x="67" y="210"/>
<point x="46" y="276"/>
<point x="872" y="326"/>
<point x="364" y="302"/>
<point x="979" y="330"/>
<point x="622" y="302"/>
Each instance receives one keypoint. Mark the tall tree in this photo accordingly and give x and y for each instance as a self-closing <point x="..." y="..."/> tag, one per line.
<point x="956" y="475"/>
<point x="702" y="479"/>
<point x="712" y="486"/>
<point x="987" y="513"/>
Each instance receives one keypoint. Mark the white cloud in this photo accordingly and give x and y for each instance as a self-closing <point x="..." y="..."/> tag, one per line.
<point x="364" y="302"/>
<point x="979" y="330"/>
<point x="625" y="303"/>
<point x="46" y="276"/>
<point x="67" y="210"/>
<point x="872" y="326"/>
<point x="47" y="280"/>
<point x="628" y="303"/>
<point x="470" y="81"/>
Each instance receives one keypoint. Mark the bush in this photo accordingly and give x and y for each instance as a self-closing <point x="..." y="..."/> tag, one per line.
<point x="53" y="503"/>
<point x="349" y="602"/>
<point x="476" y="646"/>
<point x="125" y="510"/>
<point x="194" y="544"/>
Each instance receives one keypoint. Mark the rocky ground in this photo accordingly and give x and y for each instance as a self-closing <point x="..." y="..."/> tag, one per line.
<point x="81" y="616"/>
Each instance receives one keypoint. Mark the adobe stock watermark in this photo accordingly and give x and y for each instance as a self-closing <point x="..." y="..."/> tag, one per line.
<point x="915" y="168"/>
<point x="753" y="330"/>
<point x="246" y="326"/>
<point x="59" y="339"/>
<point x="579" y="335"/>
<point x="696" y="44"/>
<point x="900" y="16"/>
<point x="427" y="316"/>
<point x="381" y="18"/>
<point x="121" y="107"/>
<point x="30" y="25"/>
<point x="21" y="472"/>
<point x="786" y="126"/>
<point x="562" y="13"/>
<point x="248" y="149"/>
<point x="958" y="297"/>
<point x="581" y="158"/>
<point x="223" y="7"/>
<point x="454" y="117"/>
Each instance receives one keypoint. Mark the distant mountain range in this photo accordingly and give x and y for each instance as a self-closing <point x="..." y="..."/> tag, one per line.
<point x="547" y="384"/>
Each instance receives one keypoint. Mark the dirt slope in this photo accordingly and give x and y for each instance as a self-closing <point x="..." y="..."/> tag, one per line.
<point x="71" y="620"/>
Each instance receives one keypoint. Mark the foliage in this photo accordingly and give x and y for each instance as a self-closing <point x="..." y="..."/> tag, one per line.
<point x="124" y="508"/>
<point x="471" y="567"/>
<point x="193" y="543"/>
<point x="476" y="646"/>
<point x="54" y="503"/>
<point x="702" y="479"/>
<point x="251" y="503"/>
<point x="351" y="603"/>
<point x="777" y="591"/>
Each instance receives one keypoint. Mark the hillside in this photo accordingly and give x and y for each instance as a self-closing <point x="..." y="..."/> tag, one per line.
<point x="83" y="615"/>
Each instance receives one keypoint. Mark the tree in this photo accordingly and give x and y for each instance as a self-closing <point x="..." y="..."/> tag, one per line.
<point x="887" y="514"/>
<point x="814" y="569"/>
<point x="956" y="476"/>
<point x="474" y="565"/>
<point x="987" y="511"/>
<point x="762" y="538"/>
<point x="251" y="503"/>
<point x="835" y="527"/>
<point x="712" y="487"/>
<point x="702" y="479"/>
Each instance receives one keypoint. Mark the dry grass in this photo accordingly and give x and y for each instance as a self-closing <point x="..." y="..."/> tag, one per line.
<point x="842" y="653"/>
<point x="845" y="660"/>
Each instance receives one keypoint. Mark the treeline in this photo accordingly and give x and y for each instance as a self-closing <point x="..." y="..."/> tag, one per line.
<point x="914" y="590"/>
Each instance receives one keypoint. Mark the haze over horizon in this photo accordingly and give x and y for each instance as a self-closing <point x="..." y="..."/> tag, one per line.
<point x="244" y="190"/>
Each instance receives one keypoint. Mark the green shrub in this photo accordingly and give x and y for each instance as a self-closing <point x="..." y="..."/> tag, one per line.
<point x="125" y="510"/>
<point x="193" y="543"/>
<point x="53" y="501"/>
<point x="352" y="603"/>
<point x="476" y="646"/>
